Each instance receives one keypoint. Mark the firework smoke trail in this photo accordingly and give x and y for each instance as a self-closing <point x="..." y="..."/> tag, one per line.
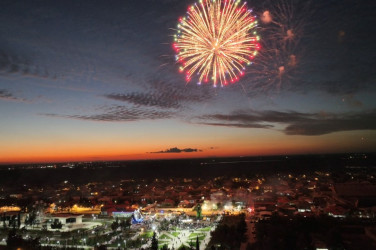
<point x="216" y="40"/>
<point x="284" y="21"/>
<point x="279" y="63"/>
<point x="271" y="69"/>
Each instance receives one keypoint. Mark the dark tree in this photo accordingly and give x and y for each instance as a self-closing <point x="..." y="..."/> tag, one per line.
<point x="241" y="230"/>
<point x="198" y="211"/>
<point x="3" y="219"/>
<point x="115" y="225"/>
<point x="15" y="241"/>
<point x="197" y="244"/>
<point x="128" y="222"/>
<point x="219" y="206"/>
<point x="12" y="221"/>
<point x="230" y="233"/>
<point x="30" y="219"/>
<point x="19" y="220"/>
<point x="125" y="223"/>
<point x="56" y="224"/>
<point x="164" y="225"/>
<point x="122" y="224"/>
<point x="154" y="242"/>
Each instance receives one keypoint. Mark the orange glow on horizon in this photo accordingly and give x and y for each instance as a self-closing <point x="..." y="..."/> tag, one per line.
<point x="116" y="155"/>
<point x="236" y="144"/>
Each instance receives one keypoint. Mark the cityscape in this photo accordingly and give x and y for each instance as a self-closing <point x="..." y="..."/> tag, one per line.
<point x="249" y="203"/>
<point x="188" y="125"/>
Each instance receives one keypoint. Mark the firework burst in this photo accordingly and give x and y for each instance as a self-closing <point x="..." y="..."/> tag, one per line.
<point x="216" y="40"/>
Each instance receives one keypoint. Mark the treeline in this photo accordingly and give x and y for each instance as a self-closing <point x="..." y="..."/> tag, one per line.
<point x="230" y="233"/>
<point x="306" y="233"/>
<point x="15" y="241"/>
<point x="232" y="167"/>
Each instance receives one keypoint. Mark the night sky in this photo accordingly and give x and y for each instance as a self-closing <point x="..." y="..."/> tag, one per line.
<point x="97" y="80"/>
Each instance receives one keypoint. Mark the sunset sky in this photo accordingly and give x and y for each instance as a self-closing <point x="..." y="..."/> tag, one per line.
<point x="97" y="80"/>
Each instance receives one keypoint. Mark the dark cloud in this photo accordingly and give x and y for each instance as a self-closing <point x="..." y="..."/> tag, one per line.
<point x="8" y="96"/>
<point x="10" y="64"/>
<point x="238" y="125"/>
<point x="162" y="100"/>
<point x="119" y="114"/>
<point x="336" y="123"/>
<point x="187" y="93"/>
<point x="253" y="119"/>
<point x="177" y="150"/>
<point x="296" y="123"/>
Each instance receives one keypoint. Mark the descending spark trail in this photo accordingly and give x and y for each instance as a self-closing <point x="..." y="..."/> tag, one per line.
<point x="216" y="39"/>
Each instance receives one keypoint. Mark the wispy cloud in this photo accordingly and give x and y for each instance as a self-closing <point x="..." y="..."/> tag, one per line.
<point x="8" y="96"/>
<point x="164" y="94"/>
<point x="177" y="150"/>
<point x="13" y="65"/>
<point x="10" y="64"/>
<point x="296" y="123"/>
<point x="119" y="114"/>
